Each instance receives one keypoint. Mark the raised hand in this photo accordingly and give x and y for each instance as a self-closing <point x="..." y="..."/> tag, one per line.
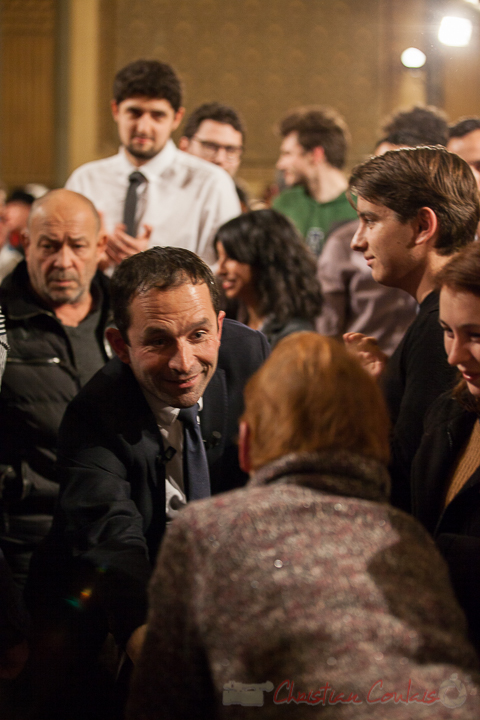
<point x="367" y="351"/>
<point x="120" y="245"/>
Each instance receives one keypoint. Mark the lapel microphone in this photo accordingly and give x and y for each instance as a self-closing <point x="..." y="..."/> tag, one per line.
<point x="213" y="440"/>
<point x="166" y="455"/>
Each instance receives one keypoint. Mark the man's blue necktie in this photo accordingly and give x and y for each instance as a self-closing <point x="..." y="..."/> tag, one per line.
<point x="195" y="467"/>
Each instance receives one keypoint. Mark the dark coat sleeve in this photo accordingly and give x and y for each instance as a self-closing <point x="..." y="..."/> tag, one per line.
<point x="418" y="373"/>
<point x="462" y="554"/>
<point x="112" y="499"/>
<point x="456" y="528"/>
<point x="172" y="679"/>
<point x="14" y="620"/>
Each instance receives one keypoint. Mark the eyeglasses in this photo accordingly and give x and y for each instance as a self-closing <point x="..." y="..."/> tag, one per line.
<point x="210" y="149"/>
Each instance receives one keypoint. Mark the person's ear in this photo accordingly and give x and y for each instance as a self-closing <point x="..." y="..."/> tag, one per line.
<point x="119" y="346"/>
<point x="426" y="226"/>
<point x="318" y="154"/>
<point x="114" y="108"/>
<point x="184" y="143"/>
<point x="220" y="319"/>
<point x="25" y="240"/>
<point x="102" y="238"/>
<point x="244" y="447"/>
<point x="178" y="118"/>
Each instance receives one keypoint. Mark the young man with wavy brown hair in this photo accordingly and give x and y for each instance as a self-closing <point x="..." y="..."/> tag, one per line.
<point x="417" y="207"/>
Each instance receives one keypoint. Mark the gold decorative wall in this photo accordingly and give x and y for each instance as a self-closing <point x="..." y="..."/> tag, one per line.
<point x="462" y="79"/>
<point x="27" y="91"/>
<point x="58" y="59"/>
<point x="262" y="57"/>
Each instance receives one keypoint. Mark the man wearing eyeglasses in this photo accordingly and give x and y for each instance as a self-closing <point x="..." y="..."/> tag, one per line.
<point x="151" y="193"/>
<point x="216" y="133"/>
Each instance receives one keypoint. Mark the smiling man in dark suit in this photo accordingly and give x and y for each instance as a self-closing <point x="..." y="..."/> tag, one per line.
<point x="130" y="449"/>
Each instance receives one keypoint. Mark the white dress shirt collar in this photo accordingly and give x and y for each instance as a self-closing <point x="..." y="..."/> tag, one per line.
<point x="165" y="415"/>
<point x="154" y="167"/>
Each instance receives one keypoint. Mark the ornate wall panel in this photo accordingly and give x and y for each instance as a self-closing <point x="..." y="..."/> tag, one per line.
<point x="263" y="57"/>
<point x="27" y="82"/>
<point x="462" y="79"/>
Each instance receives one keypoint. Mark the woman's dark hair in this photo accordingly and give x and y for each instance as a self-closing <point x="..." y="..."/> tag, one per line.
<point x="462" y="274"/>
<point x="283" y="268"/>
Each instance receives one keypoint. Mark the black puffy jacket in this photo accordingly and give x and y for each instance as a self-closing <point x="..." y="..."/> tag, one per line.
<point x="40" y="380"/>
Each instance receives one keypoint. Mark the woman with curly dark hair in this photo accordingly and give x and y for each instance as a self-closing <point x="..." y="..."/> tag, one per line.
<point x="264" y="264"/>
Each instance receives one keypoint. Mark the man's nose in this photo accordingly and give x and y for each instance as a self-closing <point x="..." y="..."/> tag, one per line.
<point x="220" y="157"/>
<point x="182" y="358"/>
<point x="64" y="256"/>
<point x="144" y="124"/>
<point x="358" y="241"/>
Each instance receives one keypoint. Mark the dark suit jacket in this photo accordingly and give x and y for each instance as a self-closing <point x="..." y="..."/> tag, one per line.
<point x="111" y="514"/>
<point x="417" y="373"/>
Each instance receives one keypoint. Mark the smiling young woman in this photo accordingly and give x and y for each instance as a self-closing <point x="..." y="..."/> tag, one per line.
<point x="265" y="264"/>
<point x="446" y="469"/>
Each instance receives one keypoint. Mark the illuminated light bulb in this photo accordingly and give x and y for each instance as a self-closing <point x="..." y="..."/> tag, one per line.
<point x="455" y="31"/>
<point x="413" y="58"/>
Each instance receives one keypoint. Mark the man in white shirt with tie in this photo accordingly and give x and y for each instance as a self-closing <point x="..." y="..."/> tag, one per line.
<point x="151" y="193"/>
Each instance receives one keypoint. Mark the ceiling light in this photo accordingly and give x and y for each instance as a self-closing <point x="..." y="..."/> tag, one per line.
<point x="455" y="31"/>
<point x="413" y="58"/>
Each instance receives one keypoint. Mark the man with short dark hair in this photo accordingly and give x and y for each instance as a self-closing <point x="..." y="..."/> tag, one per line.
<point x="417" y="207"/>
<point x="150" y="193"/>
<point x="56" y="308"/>
<point x="465" y="141"/>
<point x="312" y="157"/>
<point x="216" y="133"/>
<point x="411" y="128"/>
<point x="155" y="428"/>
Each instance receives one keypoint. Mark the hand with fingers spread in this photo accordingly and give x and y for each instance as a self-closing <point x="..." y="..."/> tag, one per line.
<point x="120" y="245"/>
<point x="367" y="351"/>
